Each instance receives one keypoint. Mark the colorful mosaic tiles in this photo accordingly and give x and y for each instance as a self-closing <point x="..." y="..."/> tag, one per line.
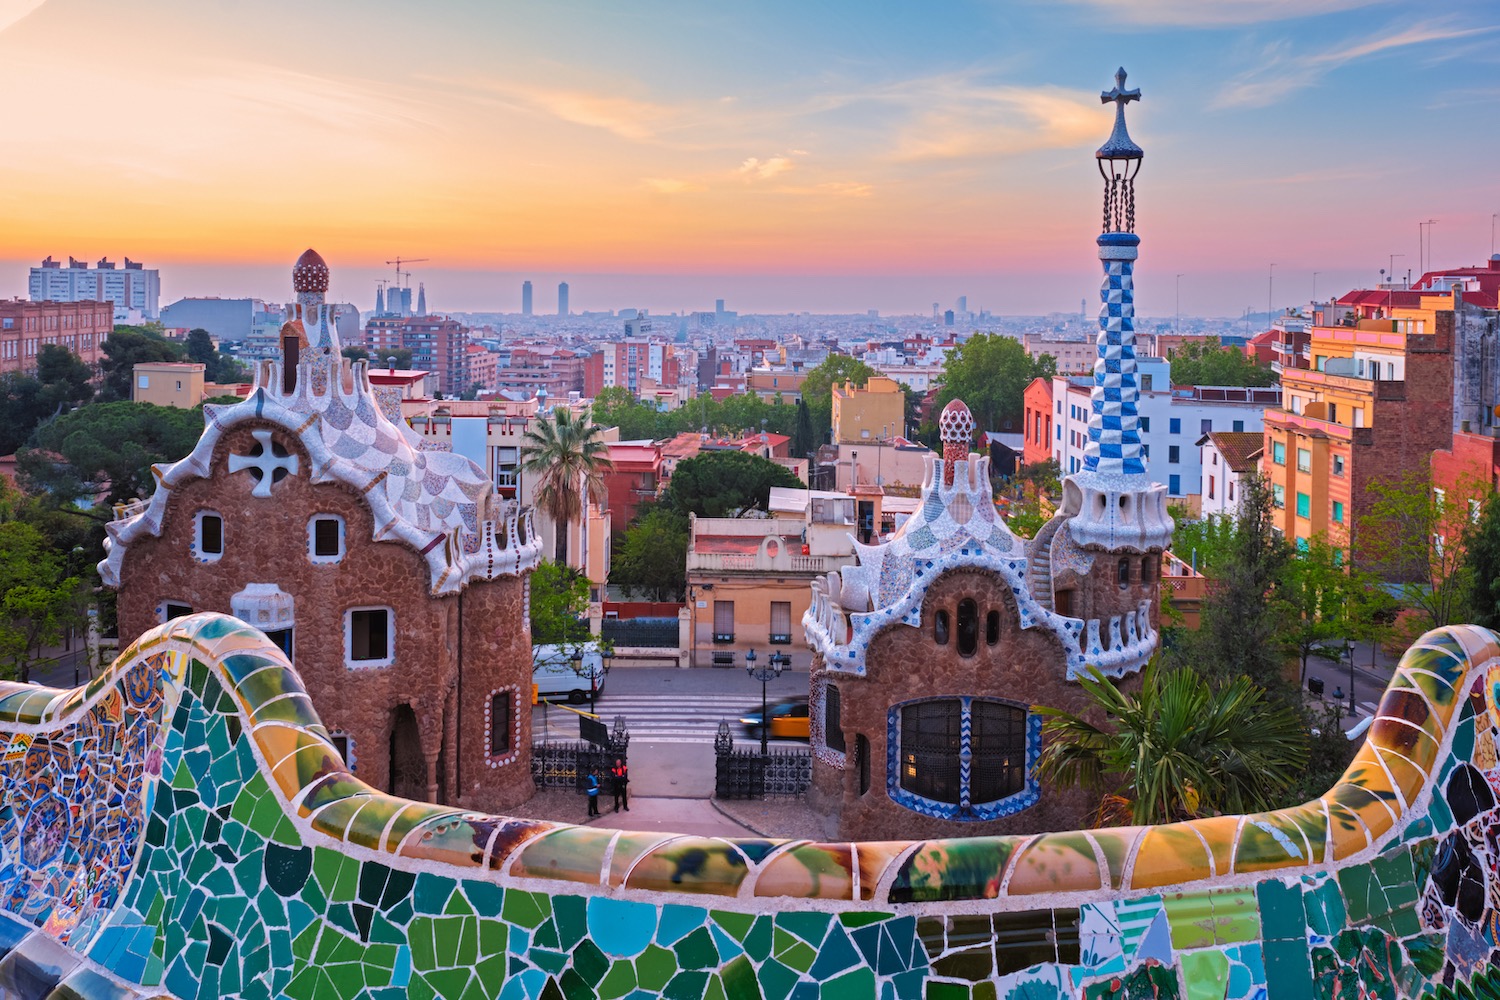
<point x="183" y="826"/>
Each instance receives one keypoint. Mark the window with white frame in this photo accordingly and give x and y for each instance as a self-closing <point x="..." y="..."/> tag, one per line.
<point x="208" y="536"/>
<point x="325" y="538"/>
<point x="369" y="637"/>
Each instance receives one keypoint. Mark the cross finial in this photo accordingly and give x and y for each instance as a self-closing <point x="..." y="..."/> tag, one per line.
<point x="1119" y="94"/>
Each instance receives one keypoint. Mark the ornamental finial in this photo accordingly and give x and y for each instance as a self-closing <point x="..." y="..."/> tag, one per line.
<point x="1119" y="145"/>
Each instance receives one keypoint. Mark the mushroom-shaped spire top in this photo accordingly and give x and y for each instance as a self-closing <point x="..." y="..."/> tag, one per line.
<point x="310" y="274"/>
<point x="956" y="429"/>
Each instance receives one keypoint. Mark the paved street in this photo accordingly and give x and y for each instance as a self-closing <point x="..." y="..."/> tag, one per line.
<point x="668" y="705"/>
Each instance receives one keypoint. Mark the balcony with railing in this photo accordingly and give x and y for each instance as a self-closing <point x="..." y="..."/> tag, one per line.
<point x="763" y="546"/>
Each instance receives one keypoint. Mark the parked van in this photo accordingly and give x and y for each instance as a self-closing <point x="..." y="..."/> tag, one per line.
<point x="556" y="675"/>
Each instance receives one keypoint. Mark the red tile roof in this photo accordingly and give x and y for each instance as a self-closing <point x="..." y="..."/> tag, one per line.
<point x="1239" y="448"/>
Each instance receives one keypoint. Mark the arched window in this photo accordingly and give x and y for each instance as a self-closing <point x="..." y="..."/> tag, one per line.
<point x="933" y="740"/>
<point x="940" y="628"/>
<point x="992" y="628"/>
<point x="968" y="626"/>
<point x="1124" y="573"/>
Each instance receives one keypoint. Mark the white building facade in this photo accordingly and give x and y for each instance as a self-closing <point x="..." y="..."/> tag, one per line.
<point x="134" y="289"/>
<point x="1171" y="422"/>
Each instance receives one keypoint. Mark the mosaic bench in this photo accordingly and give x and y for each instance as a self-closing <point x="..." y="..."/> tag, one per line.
<point x="184" y="826"/>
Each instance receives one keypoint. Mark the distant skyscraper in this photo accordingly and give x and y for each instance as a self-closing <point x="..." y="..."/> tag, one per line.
<point x="379" y="300"/>
<point x="562" y="298"/>
<point x="963" y="304"/>
<point x="948" y="318"/>
<point x="525" y="298"/>
<point x="421" y="299"/>
<point x="719" y="306"/>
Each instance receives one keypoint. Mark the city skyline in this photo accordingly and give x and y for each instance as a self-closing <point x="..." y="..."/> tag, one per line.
<point x="828" y="160"/>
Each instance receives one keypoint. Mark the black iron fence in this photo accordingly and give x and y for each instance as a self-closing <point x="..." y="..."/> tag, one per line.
<point x="749" y="774"/>
<point x="567" y="763"/>
<point x="640" y="632"/>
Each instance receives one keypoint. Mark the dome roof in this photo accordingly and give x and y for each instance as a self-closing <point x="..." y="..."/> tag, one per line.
<point x="310" y="273"/>
<point x="956" y="423"/>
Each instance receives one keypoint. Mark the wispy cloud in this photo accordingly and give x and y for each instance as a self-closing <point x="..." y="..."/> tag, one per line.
<point x="956" y="117"/>
<point x="1280" y="71"/>
<point x="1217" y="13"/>
<point x="756" y="169"/>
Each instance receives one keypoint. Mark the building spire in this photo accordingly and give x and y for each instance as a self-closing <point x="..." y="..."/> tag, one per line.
<point x="1114" y="446"/>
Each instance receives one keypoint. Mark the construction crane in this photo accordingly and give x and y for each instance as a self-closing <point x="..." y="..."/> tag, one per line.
<point x="405" y="260"/>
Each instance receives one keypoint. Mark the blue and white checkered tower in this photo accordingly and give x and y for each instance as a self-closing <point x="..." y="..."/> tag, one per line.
<point x="1114" y="446"/>
<point x="1111" y="502"/>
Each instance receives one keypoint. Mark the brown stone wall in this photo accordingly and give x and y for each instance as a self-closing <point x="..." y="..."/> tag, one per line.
<point x="904" y="664"/>
<point x="266" y="541"/>
<point x="497" y="657"/>
<point x="1099" y="594"/>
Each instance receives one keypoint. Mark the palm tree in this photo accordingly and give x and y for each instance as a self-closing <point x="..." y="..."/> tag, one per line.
<point x="569" y="455"/>
<point x="1179" y="749"/>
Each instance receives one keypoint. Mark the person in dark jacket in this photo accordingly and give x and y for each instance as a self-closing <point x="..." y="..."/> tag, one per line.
<point x="592" y="784"/>
<point x="619" y="782"/>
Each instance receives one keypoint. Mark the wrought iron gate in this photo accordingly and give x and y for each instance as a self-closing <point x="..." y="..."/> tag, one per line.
<point x="748" y="774"/>
<point x="567" y="763"/>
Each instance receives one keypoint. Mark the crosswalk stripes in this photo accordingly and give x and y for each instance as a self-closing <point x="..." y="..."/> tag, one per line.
<point x="652" y="718"/>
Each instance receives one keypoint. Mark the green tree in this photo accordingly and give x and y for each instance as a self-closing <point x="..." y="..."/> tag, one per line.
<point x="651" y="558"/>
<point x="1202" y="542"/>
<point x="1243" y="624"/>
<point x="66" y="381"/>
<point x="107" y="448"/>
<point x="36" y="599"/>
<point x="725" y="484"/>
<point x="1179" y="749"/>
<point x="569" y="456"/>
<point x="614" y="406"/>
<point x="559" y="604"/>
<point x="1413" y="537"/>
<point x="817" y="388"/>
<point x="201" y="350"/>
<point x="1316" y="590"/>
<point x="1482" y="566"/>
<point x="804" y="439"/>
<point x="1209" y="363"/>
<point x="401" y="354"/>
<point x="990" y="373"/>
<point x="125" y="348"/>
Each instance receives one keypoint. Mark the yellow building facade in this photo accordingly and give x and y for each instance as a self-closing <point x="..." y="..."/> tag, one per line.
<point x="876" y="412"/>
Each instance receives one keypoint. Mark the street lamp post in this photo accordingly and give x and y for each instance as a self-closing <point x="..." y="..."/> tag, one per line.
<point x="770" y="671"/>
<point x="1349" y="651"/>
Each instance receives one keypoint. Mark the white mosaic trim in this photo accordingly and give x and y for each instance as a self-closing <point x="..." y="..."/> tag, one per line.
<point x="500" y="760"/>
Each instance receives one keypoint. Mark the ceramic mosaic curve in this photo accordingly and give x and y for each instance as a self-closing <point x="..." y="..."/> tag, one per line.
<point x="183" y="825"/>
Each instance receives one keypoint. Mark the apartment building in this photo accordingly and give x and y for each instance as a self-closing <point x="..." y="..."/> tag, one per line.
<point x="875" y="412"/>
<point x="1375" y="404"/>
<point x="750" y="579"/>
<point x="27" y="327"/>
<point x="1036" y="421"/>
<point x="1074" y="355"/>
<point x="437" y="344"/>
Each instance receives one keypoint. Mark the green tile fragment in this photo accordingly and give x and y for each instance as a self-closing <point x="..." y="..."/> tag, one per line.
<point x="654" y="968"/>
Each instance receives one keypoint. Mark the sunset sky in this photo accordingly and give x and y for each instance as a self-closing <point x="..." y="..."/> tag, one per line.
<point x="784" y="155"/>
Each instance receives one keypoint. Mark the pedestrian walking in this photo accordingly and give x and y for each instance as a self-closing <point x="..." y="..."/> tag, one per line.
<point x="593" y="790"/>
<point x="619" y="782"/>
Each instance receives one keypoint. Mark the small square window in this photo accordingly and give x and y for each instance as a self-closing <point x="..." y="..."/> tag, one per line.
<point x="369" y="637"/>
<point x="1174" y="425"/>
<point x="325" y="538"/>
<point x="1174" y="453"/>
<point x="1145" y="425"/>
<point x="175" y="611"/>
